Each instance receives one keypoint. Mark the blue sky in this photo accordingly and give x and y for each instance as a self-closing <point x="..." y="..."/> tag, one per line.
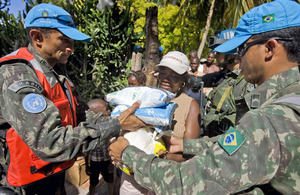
<point x="15" y="6"/>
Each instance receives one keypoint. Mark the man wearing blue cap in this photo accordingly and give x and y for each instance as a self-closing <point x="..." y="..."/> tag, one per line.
<point x="264" y="145"/>
<point x="43" y="133"/>
<point x="228" y="96"/>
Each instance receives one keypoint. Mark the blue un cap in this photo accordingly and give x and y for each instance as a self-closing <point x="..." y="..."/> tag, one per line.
<point x="51" y="16"/>
<point x="271" y="16"/>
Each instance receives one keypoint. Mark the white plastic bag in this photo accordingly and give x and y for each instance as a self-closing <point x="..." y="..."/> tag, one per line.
<point x="149" y="96"/>
<point x="161" y="116"/>
<point x="146" y="140"/>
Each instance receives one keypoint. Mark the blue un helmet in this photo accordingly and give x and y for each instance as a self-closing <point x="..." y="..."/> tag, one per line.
<point x="225" y="35"/>
<point x="215" y="41"/>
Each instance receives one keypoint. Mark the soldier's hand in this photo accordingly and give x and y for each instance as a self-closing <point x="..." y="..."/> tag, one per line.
<point x="116" y="148"/>
<point x="176" y="144"/>
<point x="128" y="120"/>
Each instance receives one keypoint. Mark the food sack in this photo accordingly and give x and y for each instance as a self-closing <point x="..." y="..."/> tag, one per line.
<point x="149" y="96"/>
<point x="159" y="116"/>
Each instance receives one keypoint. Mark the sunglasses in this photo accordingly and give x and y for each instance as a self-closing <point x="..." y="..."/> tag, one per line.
<point x="242" y="49"/>
<point x="65" y="19"/>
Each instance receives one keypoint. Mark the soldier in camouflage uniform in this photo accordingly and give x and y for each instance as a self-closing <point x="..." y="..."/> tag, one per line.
<point x="38" y="122"/>
<point x="221" y="107"/>
<point x="264" y="145"/>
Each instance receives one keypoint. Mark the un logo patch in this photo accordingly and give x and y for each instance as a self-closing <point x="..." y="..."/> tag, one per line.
<point x="34" y="103"/>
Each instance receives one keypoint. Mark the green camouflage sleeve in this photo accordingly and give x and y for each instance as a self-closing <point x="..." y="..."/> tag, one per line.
<point x="43" y="131"/>
<point x="194" y="146"/>
<point x="254" y="161"/>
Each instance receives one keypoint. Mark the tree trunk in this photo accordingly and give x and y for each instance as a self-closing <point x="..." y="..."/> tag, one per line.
<point x="152" y="53"/>
<point x="207" y="26"/>
<point x="136" y="61"/>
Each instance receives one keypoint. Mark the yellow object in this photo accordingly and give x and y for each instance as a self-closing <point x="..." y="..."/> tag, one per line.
<point x="159" y="145"/>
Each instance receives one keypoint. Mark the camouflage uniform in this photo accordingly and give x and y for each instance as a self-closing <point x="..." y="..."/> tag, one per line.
<point x="43" y="132"/>
<point x="69" y="141"/>
<point x="269" y="153"/>
<point x="220" y="109"/>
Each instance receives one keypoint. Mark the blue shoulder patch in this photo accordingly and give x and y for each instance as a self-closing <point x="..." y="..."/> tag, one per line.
<point x="34" y="103"/>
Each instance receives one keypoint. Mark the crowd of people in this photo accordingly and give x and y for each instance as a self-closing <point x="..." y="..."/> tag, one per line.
<point x="235" y="129"/>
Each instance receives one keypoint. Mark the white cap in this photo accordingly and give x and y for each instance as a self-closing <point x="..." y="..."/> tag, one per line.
<point x="203" y="60"/>
<point x="176" y="61"/>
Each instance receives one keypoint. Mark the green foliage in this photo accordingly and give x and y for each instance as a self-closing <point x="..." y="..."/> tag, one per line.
<point x="235" y="9"/>
<point x="138" y="11"/>
<point x="100" y="66"/>
<point x="12" y="32"/>
<point x="169" y="34"/>
<point x="181" y="26"/>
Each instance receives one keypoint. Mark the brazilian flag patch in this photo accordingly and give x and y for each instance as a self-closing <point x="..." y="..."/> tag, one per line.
<point x="45" y="14"/>
<point x="231" y="141"/>
<point x="269" y="18"/>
